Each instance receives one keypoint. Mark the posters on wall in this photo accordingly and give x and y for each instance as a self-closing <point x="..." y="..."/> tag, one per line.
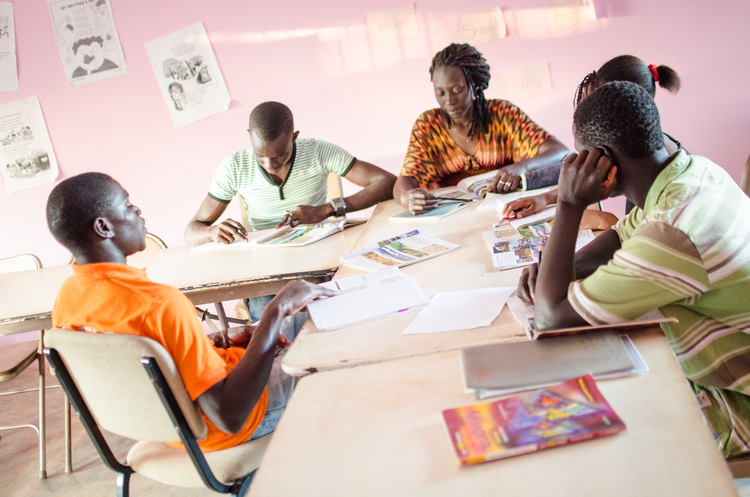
<point x="88" y="40"/>
<point x="572" y="13"/>
<point x="8" y="66"/>
<point x="393" y="23"/>
<point x="26" y="155"/>
<point x="483" y="27"/>
<point x="527" y="82"/>
<point x="188" y="75"/>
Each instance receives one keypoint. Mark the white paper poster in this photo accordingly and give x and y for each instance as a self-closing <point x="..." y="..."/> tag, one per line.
<point x="527" y="82"/>
<point x="393" y="23"/>
<point x="26" y="156"/>
<point x="483" y="27"/>
<point x="8" y="66"/>
<point x="188" y="75"/>
<point x="88" y="40"/>
<point x="571" y="13"/>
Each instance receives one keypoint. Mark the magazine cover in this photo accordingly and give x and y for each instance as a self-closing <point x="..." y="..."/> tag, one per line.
<point x="565" y="413"/>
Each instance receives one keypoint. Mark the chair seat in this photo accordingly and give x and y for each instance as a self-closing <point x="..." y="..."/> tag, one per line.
<point x="16" y="357"/>
<point x="172" y="466"/>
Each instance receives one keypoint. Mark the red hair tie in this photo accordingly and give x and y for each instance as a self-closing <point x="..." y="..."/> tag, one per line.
<point x="655" y="72"/>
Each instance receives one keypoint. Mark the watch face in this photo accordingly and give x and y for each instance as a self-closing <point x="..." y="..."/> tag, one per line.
<point x="339" y="206"/>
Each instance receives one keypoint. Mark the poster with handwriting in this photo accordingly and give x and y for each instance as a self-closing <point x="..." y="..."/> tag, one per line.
<point x="26" y="156"/>
<point x="8" y="66"/>
<point x="526" y="82"/>
<point x="571" y="13"/>
<point x="188" y="75"/>
<point x="88" y="40"/>
<point x="393" y="23"/>
<point x="483" y="27"/>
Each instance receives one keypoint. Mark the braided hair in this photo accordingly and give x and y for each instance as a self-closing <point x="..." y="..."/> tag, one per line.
<point x="629" y="68"/>
<point x="477" y="73"/>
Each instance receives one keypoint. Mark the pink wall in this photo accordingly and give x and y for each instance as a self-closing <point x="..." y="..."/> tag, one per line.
<point x="121" y="125"/>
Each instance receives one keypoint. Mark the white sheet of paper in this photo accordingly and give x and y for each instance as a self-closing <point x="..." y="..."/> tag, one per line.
<point x="527" y="82"/>
<point x="465" y="310"/>
<point x="483" y="27"/>
<point x="393" y="23"/>
<point x="188" y="75"/>
<point x="26" y="155"/>
<point x="8" y="66"/>
<point x="87" y="37"/>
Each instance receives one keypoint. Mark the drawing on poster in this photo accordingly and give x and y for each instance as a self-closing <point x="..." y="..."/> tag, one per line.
<point x="87" y="39"/>
<point x="188" y="75"/>
<point x="26" y="155"/>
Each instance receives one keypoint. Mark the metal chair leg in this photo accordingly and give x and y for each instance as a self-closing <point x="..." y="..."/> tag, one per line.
<point x="42" y="412"/>
<point x="222" y="316"/>
<point x="68" y="448"/>
<point x="123" y="485"/>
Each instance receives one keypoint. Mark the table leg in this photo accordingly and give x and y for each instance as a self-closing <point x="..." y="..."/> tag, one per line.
<point x="68" y="448"/>
<point x="42" y="412"/>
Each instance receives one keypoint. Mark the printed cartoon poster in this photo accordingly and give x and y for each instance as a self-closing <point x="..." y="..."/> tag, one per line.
<point x="188" y="75"/>
<point x="88" y="40"/>
<point x="26" y="156"/>
<point x="8" y="66"/>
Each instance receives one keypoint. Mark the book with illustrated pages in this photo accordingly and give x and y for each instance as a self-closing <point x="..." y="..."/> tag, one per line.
<point x="524" y="314"/>
<point x="502" y="369"/>
<point x="509" y="252"/>
<point x="569" y="412"/>
<point x="431" y="216"/>
<point x="305" y="234"/>
<point x="480" y="184"/>
<point x="401" y="250"/>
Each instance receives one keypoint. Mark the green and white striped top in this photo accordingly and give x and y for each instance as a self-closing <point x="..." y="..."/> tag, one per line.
<point x="687" y="253"/>
<point x="306" y="183"/>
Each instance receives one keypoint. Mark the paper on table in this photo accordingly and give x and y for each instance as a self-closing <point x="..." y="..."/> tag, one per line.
<point x="465" y="310"/>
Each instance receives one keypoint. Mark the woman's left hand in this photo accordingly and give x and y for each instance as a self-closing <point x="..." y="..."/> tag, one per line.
<point x="507" y="179"/>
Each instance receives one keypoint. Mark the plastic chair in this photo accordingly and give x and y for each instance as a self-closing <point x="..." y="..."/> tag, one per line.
<point x="15" y="358"/>
<point x="130" y="386"/>
<point x="745" y="181"/>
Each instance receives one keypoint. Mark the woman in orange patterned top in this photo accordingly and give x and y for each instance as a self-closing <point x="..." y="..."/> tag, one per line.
<point x="469" y="135"/>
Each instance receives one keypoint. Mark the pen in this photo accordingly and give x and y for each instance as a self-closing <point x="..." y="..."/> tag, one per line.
<point x="507" y="218"/>
<point x="450" y="201"/>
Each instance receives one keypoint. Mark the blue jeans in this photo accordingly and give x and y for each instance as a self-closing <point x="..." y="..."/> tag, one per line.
<point x="280" y="385"/>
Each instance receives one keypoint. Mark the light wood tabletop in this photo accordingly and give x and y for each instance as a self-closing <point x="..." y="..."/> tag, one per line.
<point x="204" y="275"/>
<point x="467" y="268"/>
<point x="376" y="430"/>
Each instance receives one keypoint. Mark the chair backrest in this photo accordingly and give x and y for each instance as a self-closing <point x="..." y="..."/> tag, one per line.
<point x="334" y="187"/>
<point x="745" y="181"/>
<point x="23" y="262"/>
<point x="107" y="370"/>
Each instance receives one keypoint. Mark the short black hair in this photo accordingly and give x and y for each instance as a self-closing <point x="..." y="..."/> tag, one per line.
<point x="270" y="120"/>
<point x="75" y="203"/>
<point x="87" y="41"/>
<point x="477" y="74"/>
<point x="620" y="115"/>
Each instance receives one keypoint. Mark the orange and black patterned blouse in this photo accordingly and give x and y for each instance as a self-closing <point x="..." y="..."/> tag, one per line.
<point x="435" y="160"/>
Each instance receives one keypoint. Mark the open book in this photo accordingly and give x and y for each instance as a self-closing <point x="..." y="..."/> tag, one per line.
<point x="524" y="314"/>
<point x="305" y="234"/>
<point x="400" y="250"/>
<point x="431" y="216"/>
<point x="565" y="413"/>
<point x="367" y="297"/>
<point x="510" y="252"/>
<point x="479" y="185"/>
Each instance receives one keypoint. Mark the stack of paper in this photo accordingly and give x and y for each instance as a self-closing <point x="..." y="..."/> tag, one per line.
<point x="365" y="298"/>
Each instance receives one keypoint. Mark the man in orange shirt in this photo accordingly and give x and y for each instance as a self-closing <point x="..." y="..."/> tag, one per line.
<point x="92" y="216"/>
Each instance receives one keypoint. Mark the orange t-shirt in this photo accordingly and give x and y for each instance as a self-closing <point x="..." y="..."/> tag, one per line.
<point x="110" y="297"/>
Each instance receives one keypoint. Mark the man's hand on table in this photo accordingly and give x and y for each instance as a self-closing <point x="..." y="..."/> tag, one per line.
<point x="227" y="231"/>
<point x="306" y="214"/>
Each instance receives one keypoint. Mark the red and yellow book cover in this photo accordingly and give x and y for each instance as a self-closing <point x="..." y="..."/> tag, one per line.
<point x="568" y="412"/>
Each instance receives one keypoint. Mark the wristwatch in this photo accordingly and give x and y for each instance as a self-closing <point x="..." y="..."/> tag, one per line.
<point x="339" y="206"/>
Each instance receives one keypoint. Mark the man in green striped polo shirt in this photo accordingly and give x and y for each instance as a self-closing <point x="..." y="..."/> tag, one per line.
<point x="282" y="179"/>
<point x="683" y="250"/>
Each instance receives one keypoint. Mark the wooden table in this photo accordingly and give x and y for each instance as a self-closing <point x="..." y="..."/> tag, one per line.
<point x="203" y="275"/>
<point x="376" y="430"/>
<point x="467" y="268"/>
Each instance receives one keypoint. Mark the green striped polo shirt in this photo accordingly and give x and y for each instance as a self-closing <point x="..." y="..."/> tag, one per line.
<point x="687" y="253"/>
<point x="306" y="182"/>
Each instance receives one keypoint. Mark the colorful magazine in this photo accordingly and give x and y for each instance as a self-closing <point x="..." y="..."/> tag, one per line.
<point x="512" y="248"/>
<point x="572" y="411"/>
<point x="305" y="234"/>
<point x="400" y="250"/>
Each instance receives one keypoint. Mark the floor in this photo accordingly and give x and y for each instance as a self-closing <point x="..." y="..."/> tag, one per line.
<point x="19" y="453"/>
